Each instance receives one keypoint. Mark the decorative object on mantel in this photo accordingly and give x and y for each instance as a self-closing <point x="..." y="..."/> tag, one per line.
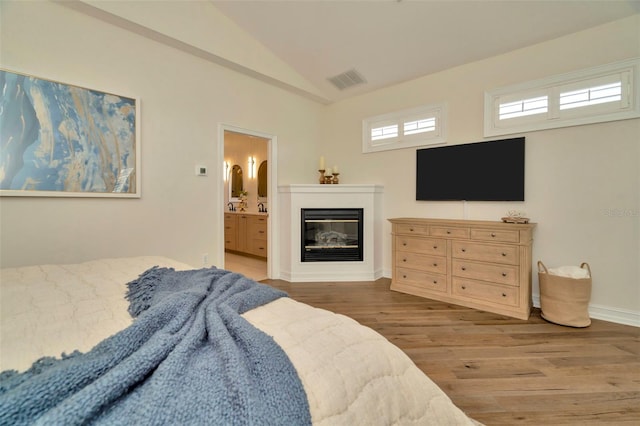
<point x="514" y="216"/>
<point x="321" y="175"/>
<point x="328" y="176"/>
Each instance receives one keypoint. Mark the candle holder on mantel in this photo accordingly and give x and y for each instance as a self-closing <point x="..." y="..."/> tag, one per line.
<point x="328" y="179"/>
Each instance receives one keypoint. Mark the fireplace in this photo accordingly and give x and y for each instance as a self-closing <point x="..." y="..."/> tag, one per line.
<point x="349" y="264"/>
<point x="331" y="235"/>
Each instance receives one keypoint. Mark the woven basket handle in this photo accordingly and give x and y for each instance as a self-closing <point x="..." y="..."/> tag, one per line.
<point x="544" y="268"/>
<point x="588" y="268"/>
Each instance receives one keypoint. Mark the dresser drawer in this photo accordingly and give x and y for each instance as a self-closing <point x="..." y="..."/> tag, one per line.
<point x="485" y="252"/>
<point x="502" y="295"/>
<point x="499" y="235"/>
<point x="402" y="228"/>
<point x="449" y="232"/>
<point x="502" y="274"/>
<point x="421" y="245"/>
<point x="423" y="280"/>
<point x="422" y="262"/>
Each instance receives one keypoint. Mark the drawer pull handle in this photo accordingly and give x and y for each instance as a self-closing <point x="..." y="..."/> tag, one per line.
<point x="464" y="287"/>
<point x="435" y="247"/>
<point x="504" y="254"/>
<point x="404" y="260"/>
<point x="463" y="268"/>
<point x="404" y="243"/>
<point x="493" y="235"/>
<point x="262" y="232"/>
<point x="435" y="264"/>
<point x="404" y="276"/>
<point x="504" y="295"/>
<point x="448" y="232"/>
<point x="463" y="250"/>
<point x="411" y="229"/>
<point x="504" y="274"/>
<point x="435" y="281"/>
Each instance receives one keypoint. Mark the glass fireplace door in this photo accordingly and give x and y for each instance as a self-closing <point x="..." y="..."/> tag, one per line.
<point x="330" y="235"/>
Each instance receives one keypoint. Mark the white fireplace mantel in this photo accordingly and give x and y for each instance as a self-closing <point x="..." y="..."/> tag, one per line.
<point x="295" y="197"/>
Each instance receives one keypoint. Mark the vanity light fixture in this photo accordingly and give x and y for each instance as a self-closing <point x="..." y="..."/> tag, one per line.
<point x="252" y="167"/>
<point x="225" y="171"/>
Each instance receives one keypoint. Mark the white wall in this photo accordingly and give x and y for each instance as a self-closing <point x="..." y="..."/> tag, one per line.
<point x="183" y="101"/>
<point x="576" y="178"/>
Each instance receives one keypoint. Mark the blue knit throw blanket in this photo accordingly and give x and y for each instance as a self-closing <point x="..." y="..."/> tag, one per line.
<point x="188" y="358"/>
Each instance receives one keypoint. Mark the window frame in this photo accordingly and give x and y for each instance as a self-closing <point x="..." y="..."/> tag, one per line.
<point x="553" y="87"/>
<point x="400" y="118"/>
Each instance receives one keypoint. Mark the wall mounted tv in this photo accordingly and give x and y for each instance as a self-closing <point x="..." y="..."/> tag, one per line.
<point x="480" y="171"/>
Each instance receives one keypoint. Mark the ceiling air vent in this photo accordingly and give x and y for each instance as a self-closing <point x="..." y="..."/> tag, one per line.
<point x="347" y="79"/>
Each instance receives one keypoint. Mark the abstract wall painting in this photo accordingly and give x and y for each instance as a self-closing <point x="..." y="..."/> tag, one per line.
<point x="63" y="140"/>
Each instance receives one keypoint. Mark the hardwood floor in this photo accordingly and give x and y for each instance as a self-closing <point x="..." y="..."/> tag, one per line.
<point x="249" y="266"/>
<point x="499" y="370"/>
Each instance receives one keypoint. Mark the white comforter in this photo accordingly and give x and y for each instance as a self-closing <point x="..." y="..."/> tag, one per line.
<point x="351" y="374"/>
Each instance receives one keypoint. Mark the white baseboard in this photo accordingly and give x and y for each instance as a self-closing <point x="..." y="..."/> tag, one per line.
<point x="607" y="313"/>
<point x="329" y="275"/>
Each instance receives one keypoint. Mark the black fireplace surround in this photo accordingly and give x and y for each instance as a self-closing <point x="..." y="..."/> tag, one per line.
<point x="331" y="235"/>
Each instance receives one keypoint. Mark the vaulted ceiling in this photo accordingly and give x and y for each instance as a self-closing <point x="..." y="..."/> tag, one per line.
<point x="390" y="41"/>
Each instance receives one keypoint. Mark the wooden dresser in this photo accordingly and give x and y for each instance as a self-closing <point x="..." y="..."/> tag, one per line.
<point x="480" y="264"/>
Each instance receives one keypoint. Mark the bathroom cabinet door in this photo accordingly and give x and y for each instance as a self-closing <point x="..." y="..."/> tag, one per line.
<point x="230" y="231"/>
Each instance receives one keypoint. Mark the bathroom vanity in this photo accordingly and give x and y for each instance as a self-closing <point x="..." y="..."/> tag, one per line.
<point x="246" y="233"/>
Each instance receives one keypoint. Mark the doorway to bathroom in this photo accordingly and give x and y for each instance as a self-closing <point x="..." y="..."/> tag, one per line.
<point x="248" y="199"/>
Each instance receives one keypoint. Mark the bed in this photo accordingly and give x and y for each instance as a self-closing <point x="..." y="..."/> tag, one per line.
<point x="349" y="373"/>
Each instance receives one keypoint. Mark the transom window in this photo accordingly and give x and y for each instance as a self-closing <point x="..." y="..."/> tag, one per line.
<point x="384" y="132"/>
<point x="591" y="96"/>
<point x="524" y="107"/>
<point x="595" y="95"/>
<point x="420" y="126"/>
<point x="403" y="129"/>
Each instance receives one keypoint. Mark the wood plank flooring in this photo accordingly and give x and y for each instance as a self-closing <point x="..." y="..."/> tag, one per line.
<point x="249" y="266"/>
<point x="499" y="370"/>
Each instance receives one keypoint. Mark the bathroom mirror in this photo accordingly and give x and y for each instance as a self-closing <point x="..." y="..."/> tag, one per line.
<point x="236" y="185"/>
<point x="262" y="179"/>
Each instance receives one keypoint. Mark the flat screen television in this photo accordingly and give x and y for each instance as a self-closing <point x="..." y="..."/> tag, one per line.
<point x="480" y="171"/>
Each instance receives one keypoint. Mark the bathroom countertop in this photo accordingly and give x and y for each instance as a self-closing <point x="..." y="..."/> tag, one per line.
<point x="248" y="212"/>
